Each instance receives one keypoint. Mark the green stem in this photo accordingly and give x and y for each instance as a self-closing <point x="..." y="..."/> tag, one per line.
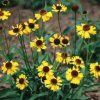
<point x="59" y="23"/>
<point x="24" y="54"/>
<point x="5" y="41"/>
<point x="86" y="52"/>
<point x="75" y="35"/>
<point x="32" y="49"/>
<point x="25" y="50"/>
<point x="54" y="55"/>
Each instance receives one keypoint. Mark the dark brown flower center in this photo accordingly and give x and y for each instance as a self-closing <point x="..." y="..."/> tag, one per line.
<point x="43" y="78"/>
<point x="86" y="27"/>
<point x="75" y="8"/>
<point x="58" y="7"/>
<point x="39" y="42"/>
<point x="16" y="30"/>
<point x="1" y="13"/>
<point x="21" y="81"/>
<point x="46" y="69"/>
<point x="97" y="68"/>
<point x="64" y="55"/>
<point x="31" y="25"/>
<point x="8" y="65"/>
<point x="54" y="81"/>
<point x="78" y="61"/>
<point x="65" y="41"/>
<point x="74" y="73"/>
<point x="0" y="27"/>
<point x="5" y="2"/>
<point x="23" y="26"/>
<point x="84" y="12"/>
<point x="43" y="12"/>
<point x="56" y="41"/>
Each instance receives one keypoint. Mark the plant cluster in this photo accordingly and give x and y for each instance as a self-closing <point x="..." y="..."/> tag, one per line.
<point x="57" y="69"/>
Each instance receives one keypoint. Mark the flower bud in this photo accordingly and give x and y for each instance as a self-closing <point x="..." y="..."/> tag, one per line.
<point x="75" y="8"/>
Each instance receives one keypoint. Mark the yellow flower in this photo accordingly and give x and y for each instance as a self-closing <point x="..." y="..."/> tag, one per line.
<point x="59" y="8"/>
<point x="74" y="76"/>
<point x="55" y="41"/>
<point x="10" y="67"/>
<point x="65" y="41"/>
<point x="22" y="82"/>
<point x="53" y="83"/>
<point x="16" y="30"/>
<point x="95" y="69"/>
<point x="62" y="58"/>
<point x="31" y="25"/>
<point x="78" y="62"/>
<point x="44" y="15"/>
<point x="4" y="15"/>
<point x="39" y="44"/>
<point x="24" y="29"/>
<point x="45" y="69"/>
<point x="85" y="30"/>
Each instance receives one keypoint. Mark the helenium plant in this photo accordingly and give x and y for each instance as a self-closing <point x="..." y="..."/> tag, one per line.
<point x="55" y="65"/>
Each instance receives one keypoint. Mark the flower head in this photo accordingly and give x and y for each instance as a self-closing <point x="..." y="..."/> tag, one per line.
<point x="95" y="69"/>
<point x="10" y="67"/>
<point x="39" y="44"/>
<point x="55" y="41"/>
<point x="44" y="15"/>
<point x="74" y="76"/>
<point x="75" y="8"/>
<point x="85" y="30"/>
<point x="45" y="69"/>
<point x="31" y="25"/>
<point x="22" y="82"/>
<point x="65" y="41"/>
<point x="5" y="2"/>
<point x="53" y="83"/>
<point x="23" y="28"/>
<point x="63" y="58"/>
<point x="17" y="30"/>
<point x="78" y="62"/>
<point x="4" y="15"/>
<point x="59" y="8"/>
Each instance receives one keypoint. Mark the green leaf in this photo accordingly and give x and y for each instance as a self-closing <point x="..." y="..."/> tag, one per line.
<point x="78" y="46"/>
<point x="22" y="95"/>
<point x="8" y="93"/>
<point x="36" y="96"/>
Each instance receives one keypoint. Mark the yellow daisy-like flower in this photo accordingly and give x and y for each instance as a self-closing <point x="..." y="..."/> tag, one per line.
<point x="74" y="76"/>
<point x="55" y="40"/>
<point x="31" y="25"/>
<point x="53" y="83"/>
<point x="45" y="69"/>
<point x="4" y="15"/>
<point x="22" y="82"/>
<point x="46" y="16"/>
<point x="16" y="30"/>
<point x="85" y="30"/>
<point x="63" y="58"/>
<point x="78" y="62"/>
<point x="59" y="8"/>
<point x="24" y="29"/>
<point x="10" y="67"/>
<point x="95" y="69"/>
<point x="39" y="44"/>
<point x="65" y="41"/>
